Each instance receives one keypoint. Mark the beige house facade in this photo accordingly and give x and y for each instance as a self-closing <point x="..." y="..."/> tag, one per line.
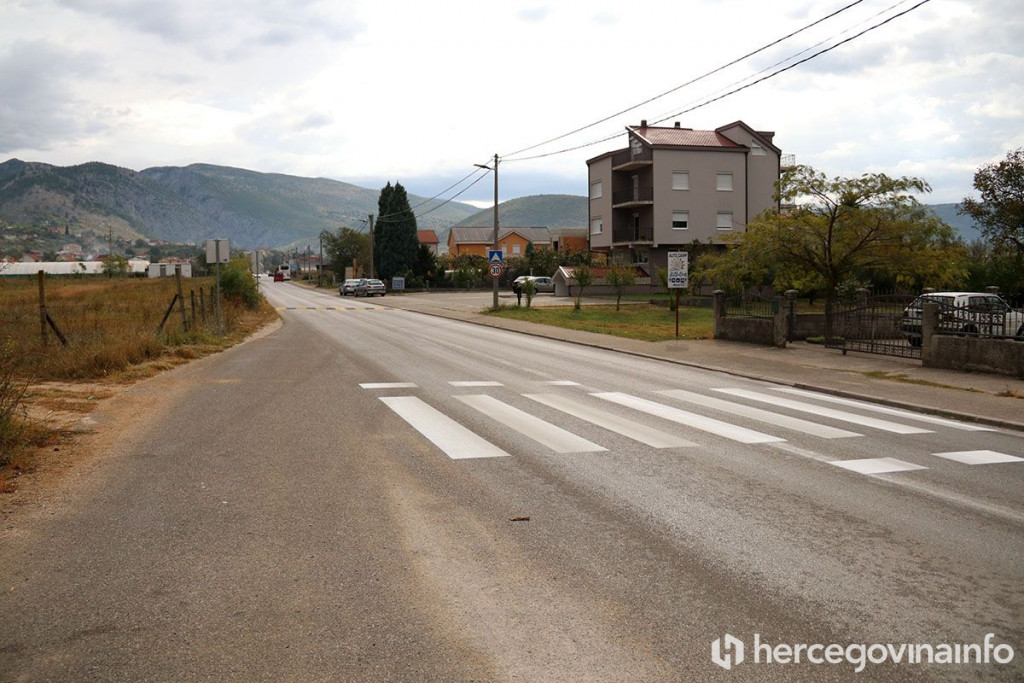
<point x="672" y="186"/>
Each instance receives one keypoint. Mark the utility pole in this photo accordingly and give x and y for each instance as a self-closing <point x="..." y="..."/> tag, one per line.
<point x="494" y="237"/>
<point x="320" y="266"/>
<point x="371" y="245"/>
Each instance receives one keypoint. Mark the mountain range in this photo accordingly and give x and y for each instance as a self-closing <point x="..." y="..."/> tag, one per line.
<point x="201" y="201"/>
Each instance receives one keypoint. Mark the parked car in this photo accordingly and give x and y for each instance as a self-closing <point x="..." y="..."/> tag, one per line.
<point x="541" y="284"/>
<point x="965" y="313"/>
<point x="278" y="276"/>
<point x="369" y="288"/>
<point x="348" y="287"/>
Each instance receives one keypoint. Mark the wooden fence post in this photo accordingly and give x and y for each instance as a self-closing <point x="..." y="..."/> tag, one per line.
<point x="202" y="306"/>
<point x="181" y="298"/>
<point x="42" y="306"/>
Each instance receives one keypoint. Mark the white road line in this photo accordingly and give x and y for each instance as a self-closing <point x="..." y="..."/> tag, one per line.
<point x="545" y="433"/>
<point x="979" y="457"/>
<point x="794" y="423"/>
<point x="388" y="385"/>
<point x="650" y="436"/>
<point x="877" y="465"/>
<point x="706" y="424"/>
<point x="561" y="383"/>
<point x="884" y="425"/>
<point x="476" y="384"/>
<point x="887" y="410"/>
<point x="456" y="441"/>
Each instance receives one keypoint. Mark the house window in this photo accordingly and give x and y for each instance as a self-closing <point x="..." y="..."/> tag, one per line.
<point x="724" y="221"/>
<point x="724" y="182"/>
<point x="680" y="180"/>
<point x="515" y="249"/>
<point x="595" y="190"/>
<point x="636" y="147"/>
<point x="640" y="256"/>
<point x="757" y="150"/>
<point x="596" y="226"/>
<point x="680" y="220"/>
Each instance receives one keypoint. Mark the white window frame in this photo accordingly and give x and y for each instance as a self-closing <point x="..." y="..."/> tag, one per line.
<point x="683" y="176"/>
<point x="720" y="185"/>
<point x="596" y="226"/>
<point x="596" y="189"/>
<point x="516" y="249"/>
<point x="757" y="150"/>
<point x="727" y="216"/>
<point x="685" y="220"/>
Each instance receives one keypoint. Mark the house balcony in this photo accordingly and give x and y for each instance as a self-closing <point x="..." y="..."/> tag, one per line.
<point x="626" y="160"/>
<point x="642" y="234"/>
<point x="787" y="161"/>
<point x="637" y="196"/>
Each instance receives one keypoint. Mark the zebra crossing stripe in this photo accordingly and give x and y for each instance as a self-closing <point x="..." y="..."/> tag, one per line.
<point x="794" y="423"/>
<point x="877" y="465"/>
<point x="453" y="439"/>
<point x="655" y="438"/>
<point x="842" y="415"/>
<point x="887" y="410"/>
<point x="476" y="383"/>
<point x="979" y="457"/>
<point x="545" y="433"/>
<point x="387" y="385"/>
<point x="705" y="424"/>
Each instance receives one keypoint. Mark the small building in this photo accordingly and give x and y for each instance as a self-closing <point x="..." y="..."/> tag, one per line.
<point x="511" y="241"/>
<point x="428" y="238"/>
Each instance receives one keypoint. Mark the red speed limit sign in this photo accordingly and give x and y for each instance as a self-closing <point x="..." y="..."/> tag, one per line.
<point x="495" y="270"/>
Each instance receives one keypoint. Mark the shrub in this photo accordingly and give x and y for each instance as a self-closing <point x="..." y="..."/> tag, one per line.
<point x="12" y="390"/>
<point x="238" y="284"/>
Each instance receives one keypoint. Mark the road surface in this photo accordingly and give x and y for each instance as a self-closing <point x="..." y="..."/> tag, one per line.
<point x="374" y="494"/>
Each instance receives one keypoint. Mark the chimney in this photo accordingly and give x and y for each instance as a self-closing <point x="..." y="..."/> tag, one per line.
<point x="677" y="125"/>
<point x="643" y="123"/>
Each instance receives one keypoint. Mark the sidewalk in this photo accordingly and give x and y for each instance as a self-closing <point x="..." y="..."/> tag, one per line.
<point x="900" y="382"/>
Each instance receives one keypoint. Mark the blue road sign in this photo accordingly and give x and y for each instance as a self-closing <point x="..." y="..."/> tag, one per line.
<point x="494" y="256"/>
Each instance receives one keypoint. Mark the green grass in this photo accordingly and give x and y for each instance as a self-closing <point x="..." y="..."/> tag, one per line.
<point x="636" y="321"/>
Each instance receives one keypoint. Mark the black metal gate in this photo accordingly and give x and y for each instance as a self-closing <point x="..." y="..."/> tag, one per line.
<point x="873" y="324"/>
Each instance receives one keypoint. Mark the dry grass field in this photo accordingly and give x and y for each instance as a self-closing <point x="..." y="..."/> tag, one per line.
<point x="112" y="339"/>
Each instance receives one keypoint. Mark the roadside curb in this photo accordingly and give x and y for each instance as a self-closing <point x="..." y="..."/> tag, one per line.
<point x="479" y="319"/>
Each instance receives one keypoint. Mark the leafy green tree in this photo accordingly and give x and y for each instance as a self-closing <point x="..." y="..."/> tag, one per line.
<point x="115" y="266"/>
<point x="394" y="241"/>
<point x="584" y="278"/>
<point x="1000" y="211"/>
<point x="345" y="247"/>
<point x="238" y="284"/>
<point x="529" y="288"/>
<point x="849" y="229"/>
<point x="620" y="277"/>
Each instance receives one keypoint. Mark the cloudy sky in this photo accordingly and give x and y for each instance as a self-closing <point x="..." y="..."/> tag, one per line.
<point x="367" y="91"/>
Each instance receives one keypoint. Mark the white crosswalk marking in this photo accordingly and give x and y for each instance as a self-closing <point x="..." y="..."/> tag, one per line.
<point x="694" y="420"/>
<point x="887" y="410"/>
<point x="545" y="433"/>
<point x="812" y="428"/>
<point x="456" y="441"/>
<point x="387" y="385"/>
<point x="650" y="436"/>
<point x="476" y="383"/>
<point x="842" y="415"/>
<point x="877" y="465"/>
<point x="979" y="457"/>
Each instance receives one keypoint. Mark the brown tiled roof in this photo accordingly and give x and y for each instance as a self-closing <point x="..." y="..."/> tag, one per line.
<point x="683" y="137"/>
<point x="427" y="236"/>
<point x="483" y="235"/>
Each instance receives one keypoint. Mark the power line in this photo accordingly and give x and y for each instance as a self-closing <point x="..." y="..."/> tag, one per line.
<point x="688" y="83"/>
<point x="739" y="89"/>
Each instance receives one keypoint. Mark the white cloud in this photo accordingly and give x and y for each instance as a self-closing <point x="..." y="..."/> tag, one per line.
<point x="366" y="90"/>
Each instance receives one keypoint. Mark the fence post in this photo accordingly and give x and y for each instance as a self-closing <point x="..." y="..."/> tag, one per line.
<point x="42" y="305"/>
<point x="192" y="297"/>
<point x="202" y="306"/>
<point x="929" y="326"/>
<point x="719" y="310"/>
<point x="791" y="295"/>
<point x="181" y="297"/>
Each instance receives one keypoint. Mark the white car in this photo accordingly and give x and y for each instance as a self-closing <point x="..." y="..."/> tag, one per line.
<point x="965" y="313"/>
<point x="541" y="284"/>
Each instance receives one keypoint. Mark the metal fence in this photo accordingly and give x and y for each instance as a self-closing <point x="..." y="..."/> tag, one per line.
<point x="874" y="324"/>
<point x="752" y="307"/>
<point x="987" y="316"/>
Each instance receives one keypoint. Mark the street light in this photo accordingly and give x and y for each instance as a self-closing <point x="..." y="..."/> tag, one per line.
<point x="494" y="238"/>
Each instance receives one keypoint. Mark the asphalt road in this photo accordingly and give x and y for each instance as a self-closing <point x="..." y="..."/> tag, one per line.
<point x="373" y="494"/>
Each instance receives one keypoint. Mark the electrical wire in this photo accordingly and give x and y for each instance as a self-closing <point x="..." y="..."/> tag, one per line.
<point x="688" y="83"/>
<point x="738" y="89"/>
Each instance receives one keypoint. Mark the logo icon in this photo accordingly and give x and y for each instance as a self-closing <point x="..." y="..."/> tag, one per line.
<point x="727" y="661"/>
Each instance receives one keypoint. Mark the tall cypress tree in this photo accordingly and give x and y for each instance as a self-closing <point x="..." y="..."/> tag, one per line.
<point x="395" y="242"/>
